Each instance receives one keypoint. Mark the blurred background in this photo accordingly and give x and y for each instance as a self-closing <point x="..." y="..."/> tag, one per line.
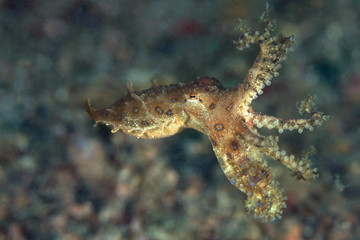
<point x="61" y="178"/>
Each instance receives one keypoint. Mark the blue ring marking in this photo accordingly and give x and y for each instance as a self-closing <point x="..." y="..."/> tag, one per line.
<point x="251" y="184"/>
<point x="173" y="100"/>
<point x="169" y="112"/>
<point x="232" y="180"/>
<point x="219" y="127"/>
<point x="212" y="106"/>
<point x="144" y="123"/>
<point x="247" y="85"/>
<point x="229" y="155"/>
<point x="234" y="145"/>
<point x="213" y="142"/>
<point x="135" y="110"/>
<point x="159" y="110"/>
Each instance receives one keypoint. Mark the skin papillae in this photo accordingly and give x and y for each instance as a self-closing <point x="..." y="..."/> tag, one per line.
<point x="225" y="115"/>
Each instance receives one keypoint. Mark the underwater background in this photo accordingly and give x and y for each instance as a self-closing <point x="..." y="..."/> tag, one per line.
<point x="61" y="178"/>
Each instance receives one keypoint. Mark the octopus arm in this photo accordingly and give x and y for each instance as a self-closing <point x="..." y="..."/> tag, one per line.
<point x="261" y="120"/>
<point x="273" y="51"/>
<point x="251" y="175"/>
<point x="301" y="167"/>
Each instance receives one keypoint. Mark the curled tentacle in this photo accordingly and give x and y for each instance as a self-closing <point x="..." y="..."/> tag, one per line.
<point x="301" y="167"/>
<point x="273" y="51"/>
<point x="306" y="106"/>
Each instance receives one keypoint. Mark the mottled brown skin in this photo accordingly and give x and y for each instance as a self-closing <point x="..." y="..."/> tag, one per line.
<point x="165" y="110"/>
<point x="225" y="115"/>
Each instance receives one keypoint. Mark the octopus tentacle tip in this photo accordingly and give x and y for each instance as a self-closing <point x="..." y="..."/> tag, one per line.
<point x="88" y="106"/>
<point x="90" y="109"/>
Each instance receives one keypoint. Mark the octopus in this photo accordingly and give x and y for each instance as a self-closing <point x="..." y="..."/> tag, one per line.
<point x="225" y="115"/>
